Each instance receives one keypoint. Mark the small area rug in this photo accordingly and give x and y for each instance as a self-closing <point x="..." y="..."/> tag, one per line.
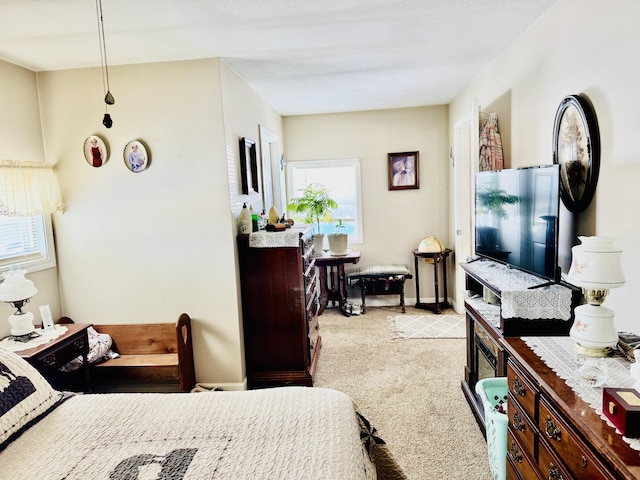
<point x="428" y="326"/>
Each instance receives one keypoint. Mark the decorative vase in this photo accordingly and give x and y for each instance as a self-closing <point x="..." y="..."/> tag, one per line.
<point x="338" y="244"/>
<point x="318" y="243"/>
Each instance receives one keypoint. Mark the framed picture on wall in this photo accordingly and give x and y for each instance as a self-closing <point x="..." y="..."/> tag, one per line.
<point x="249" y="167"/>
<point x="95" y="151"/>
<point x="403" y="170"/>
<point x="135" y="156"/>
<point x="576" y="148"/>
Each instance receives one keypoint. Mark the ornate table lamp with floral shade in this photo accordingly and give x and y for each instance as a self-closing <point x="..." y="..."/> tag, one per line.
<point x="596" y="268"/>
<point x="17" y="290"/>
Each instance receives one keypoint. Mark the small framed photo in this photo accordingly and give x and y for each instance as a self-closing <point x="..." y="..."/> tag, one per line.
<point x="135" y="156"/>
<point x="403" y="170"/>
<point x="95" y="151"/>
<point x="249" y="166"/>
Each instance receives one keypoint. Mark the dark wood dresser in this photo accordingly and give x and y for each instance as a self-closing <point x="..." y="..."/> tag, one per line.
<point x="552" y="432"/>
<point x="279" y="311"/>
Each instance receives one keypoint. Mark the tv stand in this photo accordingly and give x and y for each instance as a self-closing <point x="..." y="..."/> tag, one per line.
<point x="489" y="323"/>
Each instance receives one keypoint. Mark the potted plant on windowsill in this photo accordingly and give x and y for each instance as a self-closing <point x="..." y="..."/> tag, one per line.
<point x="314" y="204"/>
<point x="338" y="240"/>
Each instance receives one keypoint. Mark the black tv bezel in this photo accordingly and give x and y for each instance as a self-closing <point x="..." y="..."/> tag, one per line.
<point x="556" y="278"/>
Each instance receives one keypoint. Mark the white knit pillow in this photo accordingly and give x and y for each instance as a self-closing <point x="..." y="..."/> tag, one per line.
<point x="387" y="269"/>
<point x="24" y="395"/>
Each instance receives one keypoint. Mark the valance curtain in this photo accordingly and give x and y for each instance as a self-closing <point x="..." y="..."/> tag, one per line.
<point x="28" y="189"/>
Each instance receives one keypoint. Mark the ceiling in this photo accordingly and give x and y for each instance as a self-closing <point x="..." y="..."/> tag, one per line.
<point x="301" y="56"/>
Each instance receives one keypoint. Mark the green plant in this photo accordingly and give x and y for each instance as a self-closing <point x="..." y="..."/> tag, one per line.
<point x="339" y="226"/>
<point x="492" y="202"/>
<point x="314" y="204"/>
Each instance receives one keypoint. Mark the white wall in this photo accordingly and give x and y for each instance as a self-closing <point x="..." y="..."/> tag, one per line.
<point x="577" y="47"/>
<point x="145" y="247"/>
<point x="394" y="221"/>
<point x="21" y="140"/>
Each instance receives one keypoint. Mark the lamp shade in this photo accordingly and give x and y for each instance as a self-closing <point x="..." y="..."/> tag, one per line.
<point x="596" y="264"/>
<point x="15" y="287"/>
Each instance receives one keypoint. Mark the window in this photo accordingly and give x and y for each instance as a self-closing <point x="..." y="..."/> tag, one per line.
<point x="342" y="179"/>
<point x="26" y="241"/>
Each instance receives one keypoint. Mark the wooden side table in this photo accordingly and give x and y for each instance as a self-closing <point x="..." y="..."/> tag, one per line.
<point x="333" y="280"/>
<point x="47" y="358"/>
<point x="437" y="257"/>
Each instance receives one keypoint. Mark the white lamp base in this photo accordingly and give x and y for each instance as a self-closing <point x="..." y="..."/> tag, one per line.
<point x="594" y="331"/>
<point x="21" y="324"/>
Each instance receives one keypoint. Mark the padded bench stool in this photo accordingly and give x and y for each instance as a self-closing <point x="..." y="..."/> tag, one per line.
<point x="380" y="280"/>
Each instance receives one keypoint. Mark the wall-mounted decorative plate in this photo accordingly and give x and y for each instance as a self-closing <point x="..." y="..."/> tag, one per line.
<point x="576" y="148"/>
<point x="135" y="156"/>
<point x="95" y="151"/>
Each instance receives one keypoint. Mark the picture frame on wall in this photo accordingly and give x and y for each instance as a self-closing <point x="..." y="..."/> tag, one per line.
<point x="249" y="167"/>
<point x="95" y="151"/>
<point x="403" y="170"/>
<point x="576" y="148"/>
<point x="135" y="156"/>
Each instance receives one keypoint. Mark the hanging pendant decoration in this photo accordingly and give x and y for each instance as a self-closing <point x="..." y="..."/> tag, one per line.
<point x="108" y="97"/>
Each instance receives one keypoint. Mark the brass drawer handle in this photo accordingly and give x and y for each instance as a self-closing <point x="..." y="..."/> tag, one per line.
<point x="554" y="473"/>
<point x="552" y="430"/>
<point x="515" y="454"/>
<point x="518" y="387"/>
<point x="517" y="422"/>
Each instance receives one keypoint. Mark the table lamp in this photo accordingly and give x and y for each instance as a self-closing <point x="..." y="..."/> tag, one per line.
<point x="17" y="290"/>
<point x="596" y="268"/>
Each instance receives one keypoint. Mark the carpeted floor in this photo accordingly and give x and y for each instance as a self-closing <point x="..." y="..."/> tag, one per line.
<point x="444" y="325"/>
<point x="408" y="389"/>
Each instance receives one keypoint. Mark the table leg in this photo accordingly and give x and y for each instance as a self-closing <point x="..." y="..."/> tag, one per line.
<point x="436" y="309"/>
<point x="415" y="259"/>
<point x="324" y="295"/>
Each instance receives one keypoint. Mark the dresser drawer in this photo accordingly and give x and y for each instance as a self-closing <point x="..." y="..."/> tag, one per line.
<point x="521" y="427"/>
<point x="574" y="454"/>
<point x="518" y="460"/>
<point x="549" y="466"/>
<point x="522" y="391"/>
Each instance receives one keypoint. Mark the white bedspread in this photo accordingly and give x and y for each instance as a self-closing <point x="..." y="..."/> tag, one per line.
<point x="282" y="433"/>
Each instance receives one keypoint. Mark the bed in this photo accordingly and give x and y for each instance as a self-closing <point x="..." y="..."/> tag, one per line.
<point x="279" y="433"/>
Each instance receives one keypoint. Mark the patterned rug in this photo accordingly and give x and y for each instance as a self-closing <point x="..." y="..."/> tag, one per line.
<point x="428" y="326"/>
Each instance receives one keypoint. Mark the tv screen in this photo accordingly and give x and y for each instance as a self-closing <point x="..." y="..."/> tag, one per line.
<point x="516" y="218"/>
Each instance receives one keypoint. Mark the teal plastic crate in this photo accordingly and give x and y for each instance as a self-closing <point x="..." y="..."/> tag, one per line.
<point x="493" y="393"/>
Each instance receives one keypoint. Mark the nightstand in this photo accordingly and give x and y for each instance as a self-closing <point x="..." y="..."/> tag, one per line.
<point x="49" y="357"/>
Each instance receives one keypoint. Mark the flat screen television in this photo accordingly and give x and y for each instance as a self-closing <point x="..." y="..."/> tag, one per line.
<point x="516" y="218"/>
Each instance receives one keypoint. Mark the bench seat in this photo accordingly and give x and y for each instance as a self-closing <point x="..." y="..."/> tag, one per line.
<point x="385" y="279"/>
<point x="153" y="357"/>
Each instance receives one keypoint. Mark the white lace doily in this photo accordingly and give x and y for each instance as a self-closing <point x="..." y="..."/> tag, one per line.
<point x="517" y="298"/>
<point x="264" y="239"/>
<point x="45" y="337"/>
<point x="490" y="312"/>
<point x="558" y="354"/>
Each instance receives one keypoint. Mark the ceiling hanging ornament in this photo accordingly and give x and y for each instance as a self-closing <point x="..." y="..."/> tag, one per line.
<point x="108" y="97"/>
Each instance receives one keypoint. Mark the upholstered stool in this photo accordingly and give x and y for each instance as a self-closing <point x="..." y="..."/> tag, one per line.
<point x="380" y="280"/>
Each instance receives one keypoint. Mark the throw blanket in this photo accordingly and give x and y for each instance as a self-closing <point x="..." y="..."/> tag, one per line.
<point x="280" y="433"/>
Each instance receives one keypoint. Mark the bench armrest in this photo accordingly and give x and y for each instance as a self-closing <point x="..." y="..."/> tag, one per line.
<point x="185" y="353"/>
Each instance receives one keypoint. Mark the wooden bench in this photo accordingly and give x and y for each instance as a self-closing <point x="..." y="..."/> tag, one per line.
<point x="153" y="357"/>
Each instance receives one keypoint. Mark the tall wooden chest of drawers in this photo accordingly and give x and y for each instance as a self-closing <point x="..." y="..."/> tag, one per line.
<point x="279" y="312"/>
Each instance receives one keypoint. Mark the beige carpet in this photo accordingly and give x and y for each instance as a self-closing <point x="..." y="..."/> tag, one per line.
<point x="409" y="390"/>
<point x="428" y="326"/>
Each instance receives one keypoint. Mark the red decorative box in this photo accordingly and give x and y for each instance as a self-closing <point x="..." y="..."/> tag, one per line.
<point x="622" y="407"/>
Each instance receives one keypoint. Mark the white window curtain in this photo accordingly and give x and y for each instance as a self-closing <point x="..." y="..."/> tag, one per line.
<point x="28" y="189"/>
